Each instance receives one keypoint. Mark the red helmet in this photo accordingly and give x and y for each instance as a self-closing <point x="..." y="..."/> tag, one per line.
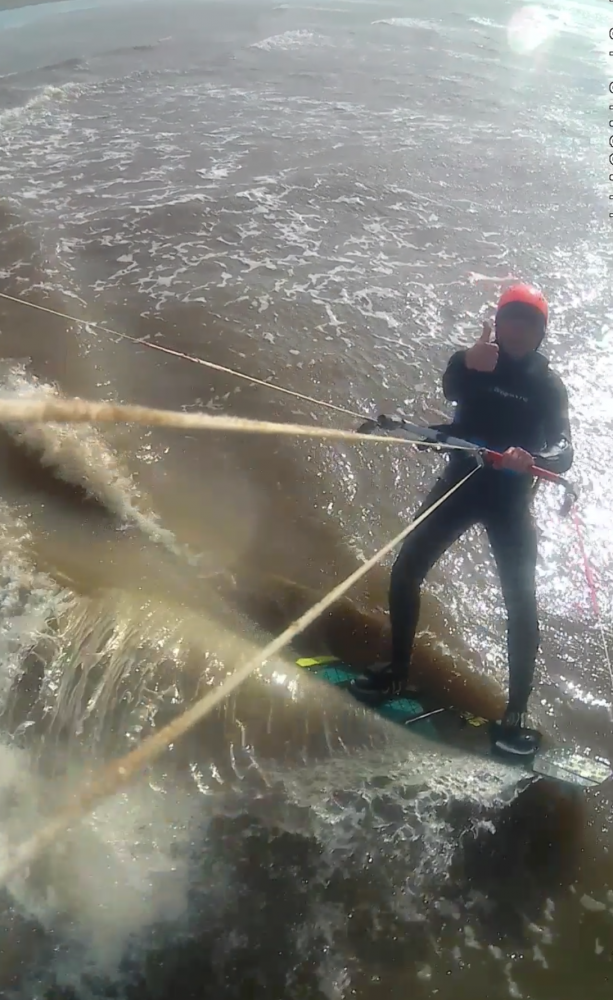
<point x="527" y="296"/>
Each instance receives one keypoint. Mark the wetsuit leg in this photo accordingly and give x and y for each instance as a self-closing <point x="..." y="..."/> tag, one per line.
<point x="512" y="535"/>
<point x="420" y="551"/>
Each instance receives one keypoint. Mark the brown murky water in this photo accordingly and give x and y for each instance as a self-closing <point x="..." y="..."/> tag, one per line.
<point x="327" y="197"/>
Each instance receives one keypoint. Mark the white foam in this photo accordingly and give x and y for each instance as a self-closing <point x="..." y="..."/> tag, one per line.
<point x="410" y="22"/>
<point x="125" y="855"/>
<point x="486" y="22"/>
<point x="38" y="103"/>
<point x="591" y="904"/>
<point x="80" y="455"/>
<point x="288" y="40"/>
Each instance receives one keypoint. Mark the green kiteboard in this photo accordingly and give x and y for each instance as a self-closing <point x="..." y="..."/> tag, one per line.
<point x="464" y="732"/>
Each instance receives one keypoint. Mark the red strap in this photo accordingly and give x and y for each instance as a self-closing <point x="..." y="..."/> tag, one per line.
<point x="587" y="567"/>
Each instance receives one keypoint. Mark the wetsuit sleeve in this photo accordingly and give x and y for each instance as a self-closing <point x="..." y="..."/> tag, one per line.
<point x="457" y="378"/>
<point x="557" y="456"/>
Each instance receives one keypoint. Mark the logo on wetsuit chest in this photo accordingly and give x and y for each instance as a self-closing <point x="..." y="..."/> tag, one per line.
<point x="509" y="395"/>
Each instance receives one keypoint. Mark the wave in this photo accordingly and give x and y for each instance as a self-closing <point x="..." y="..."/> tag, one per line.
<point x="80" y="457"/>
<point x="123" y="49"/>
<point x="75" y="63"/>
<point x="410" y="22"/>
<point x="320" y="9"/>
<point x="485" y="22"/>
<point x="22" y="102"/>
<point x="296" y="39"/>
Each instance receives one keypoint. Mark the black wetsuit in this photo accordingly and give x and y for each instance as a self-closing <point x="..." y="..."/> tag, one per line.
<point x="520" y="404"/>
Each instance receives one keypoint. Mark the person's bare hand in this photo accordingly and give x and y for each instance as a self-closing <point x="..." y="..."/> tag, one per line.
<point x="516" y="459"/>
<point x="483" y="356"/>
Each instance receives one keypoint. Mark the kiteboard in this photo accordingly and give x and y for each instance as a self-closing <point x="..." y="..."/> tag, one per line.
<point x="464" y="732"/>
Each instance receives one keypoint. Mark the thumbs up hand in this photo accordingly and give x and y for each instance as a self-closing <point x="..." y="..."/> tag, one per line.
<point x="483" y="356"/>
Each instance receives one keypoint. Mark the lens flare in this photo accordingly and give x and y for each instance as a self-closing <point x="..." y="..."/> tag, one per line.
<point x="529" y="28"/>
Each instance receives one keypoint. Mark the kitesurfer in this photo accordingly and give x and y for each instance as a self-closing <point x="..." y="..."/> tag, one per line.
<point x="509" y="400"/>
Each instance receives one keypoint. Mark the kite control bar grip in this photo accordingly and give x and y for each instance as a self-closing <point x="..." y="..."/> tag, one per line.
<point x="495" y="458"/>
<point x="427" y="437"/>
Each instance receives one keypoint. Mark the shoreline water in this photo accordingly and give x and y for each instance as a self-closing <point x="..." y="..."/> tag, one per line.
<point x="22" y="13"/>
<point x="327" y="197"/>
<point x="64" y="5"/>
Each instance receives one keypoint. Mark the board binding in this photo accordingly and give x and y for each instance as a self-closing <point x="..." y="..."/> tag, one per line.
<point x="558" y="763"/>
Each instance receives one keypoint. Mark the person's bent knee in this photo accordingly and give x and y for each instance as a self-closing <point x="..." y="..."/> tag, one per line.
<point x="408" y="568"/>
